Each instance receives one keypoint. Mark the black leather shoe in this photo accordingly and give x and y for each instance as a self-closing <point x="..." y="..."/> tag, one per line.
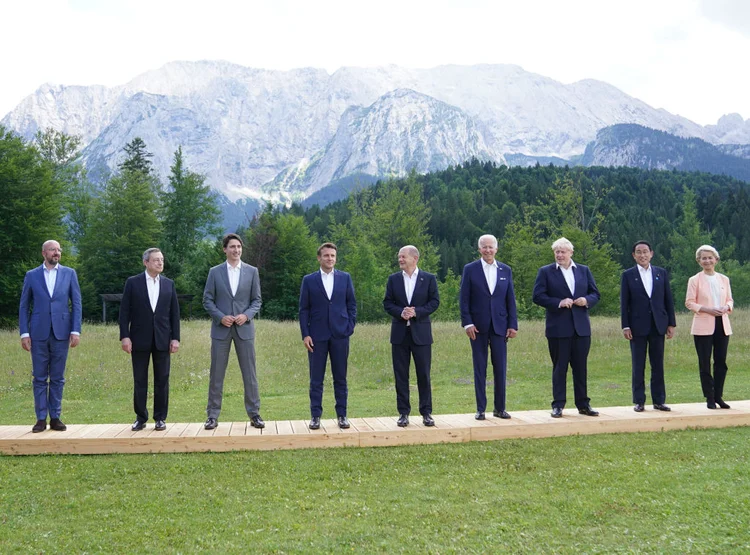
<point x="40" y="426"/>
<point x="639" y="407"/>
<point x="556" y="412"/>
<point x="57" y="425"/>
<point x="662" y="407"/>
<point x="479" y="416"/>
<point x="315" y="423"/>
<point x="710" y="404"/>
<point x="501" y="414"/>
<point x="138" y="426"/>
<point x="722" y="404"/>
<point x="427" y="420"/>
<point x="343" y="422"/>
<point x="403" y="421"/>
<point x="257" y="422"/>
<point x="210" y="424"/>
<point x="160" y="426"/>
<point x="588" y="411"/>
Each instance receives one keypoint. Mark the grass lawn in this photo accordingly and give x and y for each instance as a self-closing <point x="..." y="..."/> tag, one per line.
<point x="673" y="492"/>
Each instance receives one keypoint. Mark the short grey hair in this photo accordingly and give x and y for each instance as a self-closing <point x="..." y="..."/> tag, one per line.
<point x="48" y="242"/>
<point x="410" y="249"/>
<point x="707" y="248"/>
<point x="562" y="243"/>
<point x="148" y="252"/>
<point x="479" y="242"/>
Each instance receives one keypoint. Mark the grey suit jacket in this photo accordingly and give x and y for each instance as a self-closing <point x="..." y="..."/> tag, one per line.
<point x="219" y="302"/>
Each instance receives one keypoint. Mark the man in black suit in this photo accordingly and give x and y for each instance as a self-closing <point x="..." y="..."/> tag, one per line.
<point x="411" y="295"/>
<point x="150" y="328"/>
<point x="647" y="313"/>
<point x="567" y="291"/>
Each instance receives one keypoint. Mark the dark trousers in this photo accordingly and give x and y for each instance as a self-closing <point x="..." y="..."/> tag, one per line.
<point x="48" y="358"/>
<point x="713" y="387"/>
<point x="338" y="351"/>
<point x="401" y="355"/>
<point x="161" y="361"/>
<point x="573" y="351"/>
<point x="499" y="353"/>
<point x="654" y="344"/>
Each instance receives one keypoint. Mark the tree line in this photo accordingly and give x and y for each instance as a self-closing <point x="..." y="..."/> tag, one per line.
<point x="105" y="227"/>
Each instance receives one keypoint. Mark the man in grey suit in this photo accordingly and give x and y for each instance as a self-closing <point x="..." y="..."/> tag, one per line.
<point x="232" y="299"/>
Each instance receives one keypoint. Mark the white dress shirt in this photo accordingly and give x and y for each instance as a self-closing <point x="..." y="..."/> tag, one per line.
<point x="152" y="284"/>
<point x="50" y="278"/>
<point x="570" y="277"/>
<point x="410" y="283"/>
<point x="647" y="278"/>
<point x="490" y="274"/>
<point x="327" y="283"/>
<point x="234" y="276"/>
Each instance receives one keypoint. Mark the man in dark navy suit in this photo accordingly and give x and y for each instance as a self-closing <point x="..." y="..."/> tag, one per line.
<point x="488" y="314"/>
<point x="647" y="313"/>
<point x="327" y="316"/>
<point x="411" y="295"/>
<point x="150" y="329"/>
<point x="49" y="317"/>
<point x="567" y="291"/>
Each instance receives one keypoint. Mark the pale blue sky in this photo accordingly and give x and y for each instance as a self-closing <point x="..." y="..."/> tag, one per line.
<point x="686" y="56"/>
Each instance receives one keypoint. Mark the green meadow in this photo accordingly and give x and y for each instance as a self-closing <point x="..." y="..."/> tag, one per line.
<point x="679" y="492"/>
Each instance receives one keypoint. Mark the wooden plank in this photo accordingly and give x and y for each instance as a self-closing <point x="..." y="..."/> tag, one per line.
<point x="299" y="427"/>
<point x="238" y="429"/>
<point x="376" y="425"/>
<point x="284" y="427"/>
<point x="10" y="432"/>
<point x="191" y="429"/>
<point x="360" y="425"/>
<point x="97" y="430"/>
<point x="223" y="429"/>
<point x="330" y="426"/>
<point x="176" y="429"/>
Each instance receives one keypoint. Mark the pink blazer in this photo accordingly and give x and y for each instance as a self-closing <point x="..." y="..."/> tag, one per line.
<point x="698" y="295"/>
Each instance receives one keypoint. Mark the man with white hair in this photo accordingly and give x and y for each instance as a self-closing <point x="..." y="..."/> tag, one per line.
<point x="488" y="315"/>
<point x="567" y="291"/>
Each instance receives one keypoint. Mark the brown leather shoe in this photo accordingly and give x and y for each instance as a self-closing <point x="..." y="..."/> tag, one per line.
<point x="57" y="425"/>
<point x="40" y="426"/>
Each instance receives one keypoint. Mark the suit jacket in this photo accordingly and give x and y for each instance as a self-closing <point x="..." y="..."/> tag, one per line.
<point x="425" y="301"/>
<point x="219" y="301"/>
<point x="698" y="295"/>
<point x="550" y="288"/>
<point x="637" y="310"/>
<point x="38" y="312"/>
<point x="480" y="308"/>
<point x="140" y="323"/>
<point x="321" y="318"/>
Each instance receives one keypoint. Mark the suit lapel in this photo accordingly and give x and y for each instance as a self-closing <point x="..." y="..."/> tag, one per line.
<point x="144" y="288"/>
<point x="224" y="277"/>
<point x="319" y="283"/>
<point x="558" y="273"/>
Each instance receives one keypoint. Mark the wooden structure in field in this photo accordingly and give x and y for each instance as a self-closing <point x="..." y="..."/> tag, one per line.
<point x="364" y="432"/>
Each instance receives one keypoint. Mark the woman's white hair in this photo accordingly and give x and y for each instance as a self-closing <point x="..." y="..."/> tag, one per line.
<point x="562" y="243"/>
<point x="707" y="248"/>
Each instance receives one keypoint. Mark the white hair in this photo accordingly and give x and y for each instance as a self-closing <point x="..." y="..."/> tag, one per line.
<point x="562" y="243"/>
<point x="148" y="252"/>
<point x="707" y="248"/>
<point x="410" y="250"/>
<point x="479" y="242"/>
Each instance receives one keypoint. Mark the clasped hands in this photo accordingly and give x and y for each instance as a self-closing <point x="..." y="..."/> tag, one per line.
<point x="228" y="320"/>
<point x="568" y="303"/>
<point x="720" y="311"/>
<point x="408" y="313"/>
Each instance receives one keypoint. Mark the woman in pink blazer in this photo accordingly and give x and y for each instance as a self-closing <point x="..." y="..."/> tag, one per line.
<point x="709" y="297"/>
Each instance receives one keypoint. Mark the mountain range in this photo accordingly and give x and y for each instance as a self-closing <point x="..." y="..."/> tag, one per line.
<point x="284" y="135"/>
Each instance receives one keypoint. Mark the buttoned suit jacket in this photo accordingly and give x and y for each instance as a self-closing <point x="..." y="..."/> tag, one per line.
<point x="550" y="288"/>
<point x="140" y="323"/>
<point x="479" y="307"/>
<point x="38" y="313"/>
<point x="638" y="310"/>
<point x="425" y="299"/>
<point x="321" y="318"/>
<point x="218" y="300"/>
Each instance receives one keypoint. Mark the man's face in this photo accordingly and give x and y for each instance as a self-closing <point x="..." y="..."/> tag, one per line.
<point x="406" y="261"/>
<point x="488" y="250"/>
<point x="51" y="253"/>
<point x="327" y="259"/>
<point x="563" y="256"/>
<point x="233" y="250"/>
<point x="642" y="255"/>
<point x="155" y="263"/>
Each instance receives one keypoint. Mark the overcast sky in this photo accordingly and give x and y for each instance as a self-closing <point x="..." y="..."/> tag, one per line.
<point x="689" y="57"/>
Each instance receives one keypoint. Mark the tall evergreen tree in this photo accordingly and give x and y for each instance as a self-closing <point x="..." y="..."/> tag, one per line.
<point x="138" y="158"/>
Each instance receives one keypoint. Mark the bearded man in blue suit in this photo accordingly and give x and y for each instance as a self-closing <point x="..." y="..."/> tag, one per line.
<point x="567" y="291"/>
<point x="327" y="316"/>
<point x="49" y="318"/>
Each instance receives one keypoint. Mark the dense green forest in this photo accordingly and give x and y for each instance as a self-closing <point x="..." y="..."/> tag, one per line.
<point x="105" y="227"/>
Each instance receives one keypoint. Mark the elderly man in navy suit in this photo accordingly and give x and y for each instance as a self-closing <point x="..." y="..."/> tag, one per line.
<point x="488" y="314"/>
<point x="150" y="329"/>
<point x="647" y="313"/>
<point x="327" y="316"/>
<point x="411" y="295"/>
<point x="567" y="291"/>
<point x="49" y="317"/>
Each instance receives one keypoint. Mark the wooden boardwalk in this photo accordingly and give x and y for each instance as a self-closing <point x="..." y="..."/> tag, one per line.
<point x="364" y="432"/>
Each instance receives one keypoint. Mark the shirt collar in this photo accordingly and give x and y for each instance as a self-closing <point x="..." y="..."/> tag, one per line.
<point x="413" y="274"/>
<point x="325" y="275"/>
<point x="643" y="270"/>
<point x="55" y="267"/>
<point x="485" y="265"/>
<point x="572" y="265"/>
<point x="155" y="279"/>
<point x="234" y="268"/>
